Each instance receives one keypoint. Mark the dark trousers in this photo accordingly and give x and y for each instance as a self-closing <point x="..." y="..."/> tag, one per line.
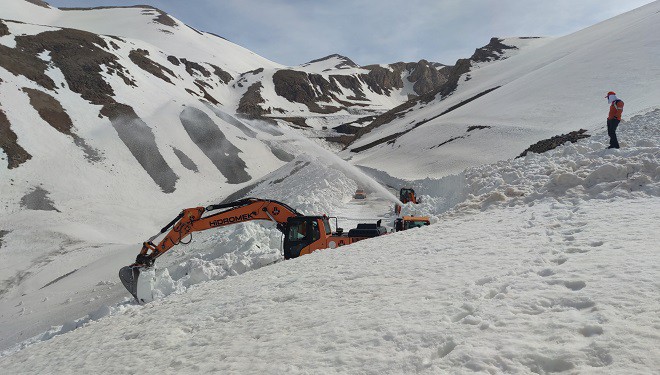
<point x="611" y="131"/>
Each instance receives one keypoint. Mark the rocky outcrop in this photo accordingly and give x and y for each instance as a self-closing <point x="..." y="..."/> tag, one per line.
<point x="16" y="155"/>
<point x="4" y="30"/>
<point x="40" y="3"/>
<point x="249" y="104"/>
<point x="139" y="58"/>
<point x="344" y="62"/>
<point x="383" y="80"/>
<point x="554" y="142"/>
<point x="305" y="88"/>
<point x="491" y="51"/>
<point x="426" y="76"/>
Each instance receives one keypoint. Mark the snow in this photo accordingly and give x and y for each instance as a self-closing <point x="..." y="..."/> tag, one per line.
<point x="549" y="264"/>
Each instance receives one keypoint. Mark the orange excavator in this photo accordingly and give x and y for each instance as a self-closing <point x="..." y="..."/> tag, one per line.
<point x="302" y="234"/>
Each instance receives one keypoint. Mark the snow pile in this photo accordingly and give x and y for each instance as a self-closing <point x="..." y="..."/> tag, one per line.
<point x="240" y="248"/>
<point x="582" y="170"/>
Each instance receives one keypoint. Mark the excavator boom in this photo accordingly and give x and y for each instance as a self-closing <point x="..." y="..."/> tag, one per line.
<point x="192" y="220"/>
<point x="302" y="234"/>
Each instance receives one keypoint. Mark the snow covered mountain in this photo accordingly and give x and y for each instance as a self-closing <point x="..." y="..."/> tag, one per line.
<point x="497" y="110"/>
<point x="113" y="119"/>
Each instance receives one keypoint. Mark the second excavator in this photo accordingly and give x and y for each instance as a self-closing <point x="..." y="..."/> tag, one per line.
<point x="302" y="234"/>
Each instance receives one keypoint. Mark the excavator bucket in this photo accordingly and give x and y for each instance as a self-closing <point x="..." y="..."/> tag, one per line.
<point x="138" y="281"/>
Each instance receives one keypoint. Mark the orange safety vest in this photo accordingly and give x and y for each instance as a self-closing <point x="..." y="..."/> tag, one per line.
<point x="616" y="109"/>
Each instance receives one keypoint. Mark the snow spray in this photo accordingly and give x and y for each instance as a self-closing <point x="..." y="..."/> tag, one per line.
<point x="315" y="149"/>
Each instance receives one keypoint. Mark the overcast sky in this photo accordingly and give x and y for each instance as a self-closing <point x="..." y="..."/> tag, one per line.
<point x="292" y="32"/>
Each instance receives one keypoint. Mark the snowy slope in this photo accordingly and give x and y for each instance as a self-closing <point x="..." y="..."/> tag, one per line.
<point x="553" y="88"/>
<point x="144" y="24"/>
<point x="548" y="265"/>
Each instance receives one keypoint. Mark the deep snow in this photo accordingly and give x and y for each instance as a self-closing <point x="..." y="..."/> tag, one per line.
<point x="549" y="264"/>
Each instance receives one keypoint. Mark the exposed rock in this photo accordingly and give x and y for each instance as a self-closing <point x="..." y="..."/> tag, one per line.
<point x="40" y="3"/>
<point x="185" y="160"/>
<point x="192" y="66"/>
<point x="38" y="199"/>
<point x="80" y="56"/>
<point x="213" y="143"/>
<point x="201" y="84"/>
<point x="351" y="83"/>
<point x="249" y="103"/>
<point x="382" y="80"/>
<point x="426" y="76"/>
<point x="141" y="142"/>
<point x="294" y="86"/>
<point x="19" y="62"/>
<point x="51" y="111"/>
<point x="139" y="58"/>
<point x="554" y="142"/>
<point x="16" y="154"/>
<point x="476" y="127"/>
<point x="2" y="234"/>
<point x="173" y="60"/>
<point x="4" y="30"/>
<point x="345" y="62"/>
<point x="307" y="89"/>
<point x="491" y="51"/>
<point x="165" y="19"/>
<point x="224" y="76"/>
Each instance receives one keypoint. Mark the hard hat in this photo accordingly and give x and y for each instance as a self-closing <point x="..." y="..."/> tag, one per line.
<point x="610" y="93"/>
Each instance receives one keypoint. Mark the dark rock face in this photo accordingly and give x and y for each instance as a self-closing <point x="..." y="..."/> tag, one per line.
<point x="4" y="30"/>
<point x="192" y="67"/>
<point x="213" y="143"/>
<point x="382" y="80"/>
<point x="40" y="3"/>
<point x="425" y="76"/>
<point x="351" y="83"/>
<point x="9" y="143"/>
<point x="38" y="199"/>
<point x="249" y="103"/>
<point x="491" y="51"/>
<point x="51" y="111"/>
<point x="344" y="63"/>
<point x="224" y="76"/>
<point x="554" y="142"/>
<point x="2" y="234"/>
<point x="301" y="87"/>
<point x="139" y="58"/>
<point x="79" y="55"/>
<point x="141" y="142"/>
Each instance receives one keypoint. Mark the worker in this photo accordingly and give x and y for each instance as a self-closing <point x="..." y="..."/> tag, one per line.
<point x="614" y="117"/>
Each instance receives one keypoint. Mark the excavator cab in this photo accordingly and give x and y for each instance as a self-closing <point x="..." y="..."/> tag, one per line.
<point x="303" y="231"/>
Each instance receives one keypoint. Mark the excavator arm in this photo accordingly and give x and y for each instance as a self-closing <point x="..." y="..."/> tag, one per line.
<point x="193" y="220"/>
